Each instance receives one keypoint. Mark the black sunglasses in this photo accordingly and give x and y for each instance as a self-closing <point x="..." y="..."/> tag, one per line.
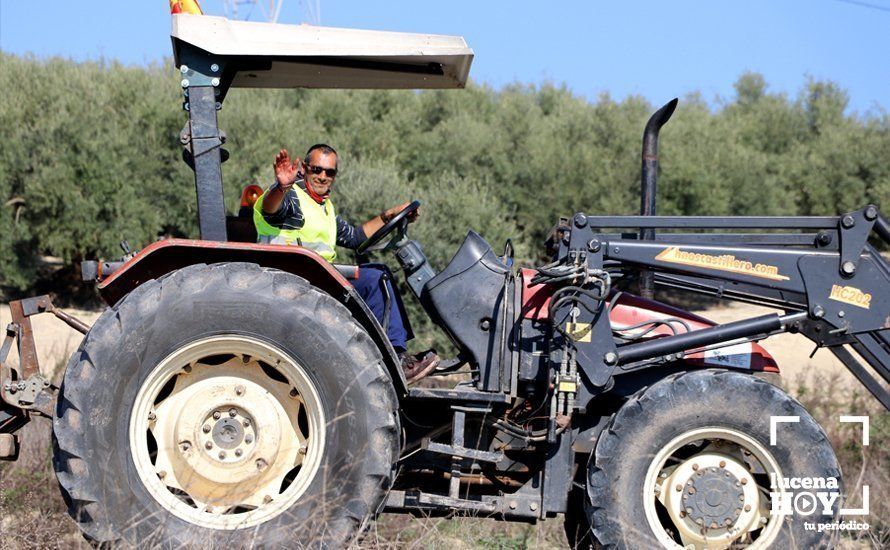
<point x="329" y="172"/>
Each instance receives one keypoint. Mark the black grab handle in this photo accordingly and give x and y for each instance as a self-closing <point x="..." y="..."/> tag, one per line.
<point x="882" y="228"/>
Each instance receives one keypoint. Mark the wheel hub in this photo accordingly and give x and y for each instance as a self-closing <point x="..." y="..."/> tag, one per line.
<point x="228" y="433"/>
<point x="221" y="456"/>
<point x="711" y="499"/>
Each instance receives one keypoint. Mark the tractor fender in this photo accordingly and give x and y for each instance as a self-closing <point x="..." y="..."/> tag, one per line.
<point x="165" y="256"/>
<point x="631" y="310"/>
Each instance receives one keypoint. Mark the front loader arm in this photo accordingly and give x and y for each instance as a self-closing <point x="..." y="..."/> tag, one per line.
<point x="833" y="286"/>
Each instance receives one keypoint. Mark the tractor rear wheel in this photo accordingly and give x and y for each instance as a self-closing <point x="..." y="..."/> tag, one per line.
<point x="229" y="405"/>
<point x="689" y="463"/>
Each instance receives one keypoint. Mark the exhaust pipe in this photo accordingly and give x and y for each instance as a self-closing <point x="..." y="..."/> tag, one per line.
<point x="649" y="181"/>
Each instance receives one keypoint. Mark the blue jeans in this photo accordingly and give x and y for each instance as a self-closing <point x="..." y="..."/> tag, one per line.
<point x="370" y="285"/>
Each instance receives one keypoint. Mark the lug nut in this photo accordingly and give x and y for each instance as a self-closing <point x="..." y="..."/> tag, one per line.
<point x="222" y="455"/>
<point x="303" y="449"/>
<point x="723" y="464"/>
<point x="513" y="504"/>
<point x="239" y="390"/>
<point x="232" y="412"/>
<point x="692" y="490"/>
<point x="695" y="467"/>
<point x="679" y="487"/>
<point x="152" y="416"/>
<point x="533" y="506"/>
<point x="216" y="415"/>
<point x="206" y="428"/>
<point x="747" y="507"/>
<point x="185" y="445"/>
<point x="208" y="445"/>
<point x="248" y="439"/>
<point x="260" y="464"/>
<point x="744" y="481"/>
<point x="294" y="392"/>
<point x="238" y="452"/>
<point x="246" y="422"/>
<point x="727" y="522"/>
<point x="187" y="369"/>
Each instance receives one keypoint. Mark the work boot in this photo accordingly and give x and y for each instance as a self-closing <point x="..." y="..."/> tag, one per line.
<point x="418" y="365"/>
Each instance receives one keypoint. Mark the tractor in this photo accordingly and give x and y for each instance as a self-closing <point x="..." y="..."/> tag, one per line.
<point x="240" y="394"/>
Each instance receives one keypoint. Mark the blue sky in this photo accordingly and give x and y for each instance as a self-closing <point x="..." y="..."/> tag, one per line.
<point x="655" y="49"/>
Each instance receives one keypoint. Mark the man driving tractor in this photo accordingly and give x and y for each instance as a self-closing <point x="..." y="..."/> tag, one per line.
<point x="297" y="210"/>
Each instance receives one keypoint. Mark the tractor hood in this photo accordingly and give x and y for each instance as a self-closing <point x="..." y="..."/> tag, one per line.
<point x="271" y="55"/>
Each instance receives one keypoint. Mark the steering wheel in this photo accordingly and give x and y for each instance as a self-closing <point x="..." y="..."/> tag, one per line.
<point x="400" y="221"/>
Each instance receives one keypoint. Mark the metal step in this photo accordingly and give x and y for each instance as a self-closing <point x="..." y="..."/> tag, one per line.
<point x="462" y="452"/>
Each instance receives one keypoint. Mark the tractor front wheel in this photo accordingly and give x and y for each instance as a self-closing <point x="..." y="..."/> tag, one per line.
<point x="226" y="405"/>
<point x="692" y="462"/>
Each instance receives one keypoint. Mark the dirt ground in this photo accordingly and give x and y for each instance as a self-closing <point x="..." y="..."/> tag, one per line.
<point x="55" y="340"/>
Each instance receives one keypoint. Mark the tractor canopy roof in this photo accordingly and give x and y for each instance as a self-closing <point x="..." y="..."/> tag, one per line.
<point x="269" y="55"/>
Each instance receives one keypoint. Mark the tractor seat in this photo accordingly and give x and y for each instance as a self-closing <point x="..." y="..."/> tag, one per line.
<point x="240" y="229"/>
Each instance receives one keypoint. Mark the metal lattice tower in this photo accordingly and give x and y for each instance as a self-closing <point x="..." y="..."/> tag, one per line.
<point x="269" y="10"/>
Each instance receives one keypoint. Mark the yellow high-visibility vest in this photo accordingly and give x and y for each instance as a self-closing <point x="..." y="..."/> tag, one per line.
<point x="319" y="232"/>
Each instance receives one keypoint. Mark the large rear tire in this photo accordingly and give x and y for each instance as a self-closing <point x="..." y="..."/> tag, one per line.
<point x="688" y="463"/>
<point x="226" y="405"/>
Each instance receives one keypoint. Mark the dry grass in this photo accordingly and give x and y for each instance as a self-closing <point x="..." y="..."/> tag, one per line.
<point x="32" y="513"/>
<point x="397" y="531"/>
<point x="827" y="400"/>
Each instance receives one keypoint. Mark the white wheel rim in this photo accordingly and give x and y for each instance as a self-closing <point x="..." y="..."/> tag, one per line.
<point x="727" y="458"/>
<point x="226" y="434"/>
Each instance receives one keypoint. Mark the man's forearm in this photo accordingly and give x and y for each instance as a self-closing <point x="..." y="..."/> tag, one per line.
<point x="373" y="225"/>
<point x="272" y="199"/>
